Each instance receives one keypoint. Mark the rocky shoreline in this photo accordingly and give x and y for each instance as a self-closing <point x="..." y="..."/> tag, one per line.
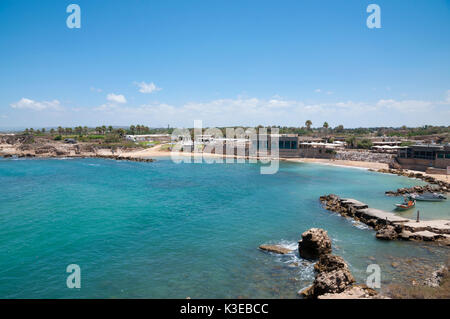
<point x="20" y="146"/>
<point x="388" y="225"/>
<point x="112" y="157"/>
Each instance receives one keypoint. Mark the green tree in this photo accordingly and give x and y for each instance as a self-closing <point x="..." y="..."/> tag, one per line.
<point x="339" y="129"/>
<point x="121" y="132"/>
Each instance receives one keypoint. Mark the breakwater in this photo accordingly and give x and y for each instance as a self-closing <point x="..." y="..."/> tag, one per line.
<point x="389" y="226"/>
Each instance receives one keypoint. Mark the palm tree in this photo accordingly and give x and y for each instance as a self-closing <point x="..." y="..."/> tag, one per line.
<point x="110" y="129"/>
<point x="60" y="130"/>
<point x="308" y="124"/>
<point x="132" y="129"/>
<point x="78" y="130"/>
<point x="52" y="131"/>
<point x="121" y="132"/>
<point x="325" y="125"/>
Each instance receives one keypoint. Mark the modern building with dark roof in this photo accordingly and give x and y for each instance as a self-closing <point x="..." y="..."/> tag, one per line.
<point x="424" y="156"/>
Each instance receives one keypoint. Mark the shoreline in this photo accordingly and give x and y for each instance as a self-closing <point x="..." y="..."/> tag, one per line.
<point x="139" y="155"/>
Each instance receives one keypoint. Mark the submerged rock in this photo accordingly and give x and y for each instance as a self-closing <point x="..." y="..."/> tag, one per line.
<point x="277" y="249"/>
<point x="315" y="242"/>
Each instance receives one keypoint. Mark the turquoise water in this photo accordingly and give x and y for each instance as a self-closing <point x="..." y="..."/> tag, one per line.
<point x="159" y="230"/>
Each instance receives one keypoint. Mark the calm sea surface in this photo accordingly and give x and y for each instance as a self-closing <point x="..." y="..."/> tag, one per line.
<point x="159" y="230"/>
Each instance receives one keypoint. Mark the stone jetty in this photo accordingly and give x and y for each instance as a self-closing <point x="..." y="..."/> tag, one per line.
<point x="388" y="225"/>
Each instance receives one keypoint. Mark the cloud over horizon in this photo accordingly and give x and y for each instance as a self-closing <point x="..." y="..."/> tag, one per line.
<point x="25" y="103"/>
<point x="243" y="111"/>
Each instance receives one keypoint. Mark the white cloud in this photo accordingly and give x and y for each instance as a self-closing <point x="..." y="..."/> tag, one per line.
<point x="116" y="98"/>
<point x="147" y="87"/>
<point x="246" y="111"/>
<point x="25" y="103"/>
<point x="317" y="90"/>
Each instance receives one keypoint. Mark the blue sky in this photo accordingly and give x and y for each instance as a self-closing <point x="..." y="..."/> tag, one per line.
<point x="227" y="63"/>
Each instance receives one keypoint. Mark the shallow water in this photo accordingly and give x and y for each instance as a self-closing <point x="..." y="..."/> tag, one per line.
<point x="158" y="230"/>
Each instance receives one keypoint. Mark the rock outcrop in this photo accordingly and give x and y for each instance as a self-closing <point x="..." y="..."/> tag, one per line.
<point x="333" y="276"/>
<point x="315" y="242"/>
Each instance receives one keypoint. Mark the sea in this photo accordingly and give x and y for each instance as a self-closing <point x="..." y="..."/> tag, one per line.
<point x="178" y="230"/>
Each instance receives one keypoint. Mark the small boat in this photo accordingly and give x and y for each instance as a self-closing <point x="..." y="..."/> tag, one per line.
<point x="407" y="204"/>
<point x="428" y="197"/>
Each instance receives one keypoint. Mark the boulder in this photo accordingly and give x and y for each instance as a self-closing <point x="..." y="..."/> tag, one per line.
<point x="277" y="249"/>
<point x="329" y="262"/>
<point x="315" y="242"/>
<point x="334" y="281"/>
<point x="387" y="233"/>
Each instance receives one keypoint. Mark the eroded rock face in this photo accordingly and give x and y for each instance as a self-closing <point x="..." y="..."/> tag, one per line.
<point x="315" y="242"/>
<point x="387" y="233"/>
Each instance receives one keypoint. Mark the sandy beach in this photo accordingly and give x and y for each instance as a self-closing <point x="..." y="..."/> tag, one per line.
<point x="157" y="152"/>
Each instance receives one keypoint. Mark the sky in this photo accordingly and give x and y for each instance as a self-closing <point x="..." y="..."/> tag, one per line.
<point x="225" y="62"/>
